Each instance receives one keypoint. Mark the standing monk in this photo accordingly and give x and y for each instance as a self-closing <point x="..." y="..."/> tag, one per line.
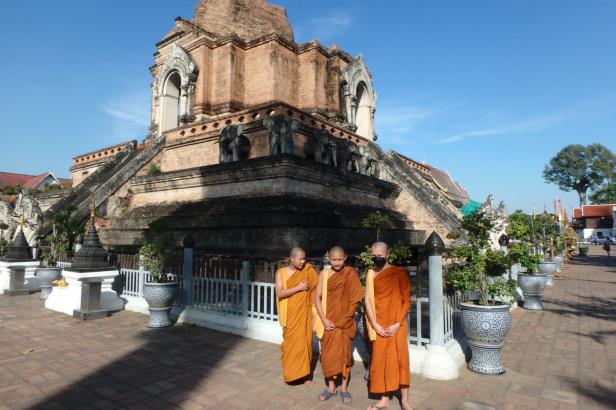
<point x="336" y="298"/>
<point x="295" y="284"/>
<point x="388" y="299"/>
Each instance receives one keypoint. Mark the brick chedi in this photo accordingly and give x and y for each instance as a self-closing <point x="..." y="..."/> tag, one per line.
<point x="257" y="144"/>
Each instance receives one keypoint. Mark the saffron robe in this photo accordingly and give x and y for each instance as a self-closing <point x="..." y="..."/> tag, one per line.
<point x="390" y="366"/>
<point x="342" y="295"/>
<point x="295" y="317"/>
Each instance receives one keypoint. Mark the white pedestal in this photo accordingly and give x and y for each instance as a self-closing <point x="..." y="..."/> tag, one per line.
<point x="442" y="362"/>
<point x="31" y="282"/>
<point x="68" y="299"/>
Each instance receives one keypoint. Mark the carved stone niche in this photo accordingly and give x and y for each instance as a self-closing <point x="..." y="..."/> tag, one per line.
<point x="322" y="148"/>
<point x="281" y="130"/>
<point x="233" y="145"/>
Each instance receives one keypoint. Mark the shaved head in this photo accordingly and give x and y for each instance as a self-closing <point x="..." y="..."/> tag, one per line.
<point x="380" y="246"/>
<point x="296" y="251"/>
<point x="297" y="258"/>
<point x="338" y="250"/>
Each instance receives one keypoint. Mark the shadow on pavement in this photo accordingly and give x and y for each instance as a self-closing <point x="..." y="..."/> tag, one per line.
<point x="589" y="306"/>
<point x="169" y="365"/>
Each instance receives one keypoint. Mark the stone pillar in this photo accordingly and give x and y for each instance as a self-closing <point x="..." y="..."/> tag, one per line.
<point x="245" y="279"/>
<point x="188" y="270"/>
<point x="440" y="362"/>
<point x="434" y="251"/>
<point x="90" y="307"/>
<point x="17" y="282"/>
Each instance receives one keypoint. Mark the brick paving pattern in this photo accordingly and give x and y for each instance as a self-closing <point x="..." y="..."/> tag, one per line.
<point x="560" y="358"/>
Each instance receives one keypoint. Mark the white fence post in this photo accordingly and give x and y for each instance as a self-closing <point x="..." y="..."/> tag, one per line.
<point x="141" y="277"/>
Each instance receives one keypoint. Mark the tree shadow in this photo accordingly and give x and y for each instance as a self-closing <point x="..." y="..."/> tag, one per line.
<point x="599" y="336"/>
<point x="594" y="260"/>
<point x="588" y="306"/>
<point x="163" y="371"/>
<point x="597" y="393"/>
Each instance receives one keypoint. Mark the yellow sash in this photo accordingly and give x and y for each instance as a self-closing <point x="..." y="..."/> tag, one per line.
<point x="370" y="291"/>
<point x="281" y="305"/>
<point x="319" y="327"/>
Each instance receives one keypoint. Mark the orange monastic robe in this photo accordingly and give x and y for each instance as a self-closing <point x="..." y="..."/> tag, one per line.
<point x="344" y="292"/>
<point x="389" y="367"/>
<point x="295" y="314"/>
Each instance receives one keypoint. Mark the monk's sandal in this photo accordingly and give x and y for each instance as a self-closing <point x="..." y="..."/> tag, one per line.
<point x="326" y="395"/>
<point x="346" y="397"/>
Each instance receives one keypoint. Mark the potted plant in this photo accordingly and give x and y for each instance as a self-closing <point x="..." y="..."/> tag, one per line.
<point x="531" y="281"/>
<point x="159" y="293"/>
<point x="477" y="272"/>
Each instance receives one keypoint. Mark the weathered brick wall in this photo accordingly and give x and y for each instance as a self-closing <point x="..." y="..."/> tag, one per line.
<point x="246" y="19"/>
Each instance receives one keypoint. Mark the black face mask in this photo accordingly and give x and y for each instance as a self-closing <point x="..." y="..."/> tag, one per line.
<point x="379" y="261"/>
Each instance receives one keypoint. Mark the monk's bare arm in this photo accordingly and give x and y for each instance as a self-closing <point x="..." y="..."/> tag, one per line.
<point x="282" y="293"/>
<point x="317" y="302"/>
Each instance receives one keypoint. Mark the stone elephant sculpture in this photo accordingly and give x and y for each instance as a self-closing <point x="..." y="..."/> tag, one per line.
<point x="281" y="131"/>
<point x="326" y="149"/>
<point x="230" y="143"/>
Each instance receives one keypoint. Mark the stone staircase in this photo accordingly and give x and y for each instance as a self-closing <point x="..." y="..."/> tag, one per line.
<point x="103" y="183"/>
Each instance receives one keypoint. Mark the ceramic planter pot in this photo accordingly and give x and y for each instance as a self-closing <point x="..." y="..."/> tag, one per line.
<point x="46" y="276"/>
<point x="559" y="261"/>
<point x="485" y="328"/>
<point x="160" y="297"/>
<point x="548" y="268"/>
<point x="532" y="287"/>
<point x="583" y="250"/>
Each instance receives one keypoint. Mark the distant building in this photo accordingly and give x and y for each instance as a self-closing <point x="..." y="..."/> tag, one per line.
<point x="12" y="180"/>
<point x="595" y="221"/>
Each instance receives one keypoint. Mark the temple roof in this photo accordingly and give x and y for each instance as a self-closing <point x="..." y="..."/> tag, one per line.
<point x="246" y="19"/>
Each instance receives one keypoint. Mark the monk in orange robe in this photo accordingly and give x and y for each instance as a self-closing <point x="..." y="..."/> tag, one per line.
<point x="388" y="299"/>
<point x="295" y="284"/>
<point x="337" y="295"/>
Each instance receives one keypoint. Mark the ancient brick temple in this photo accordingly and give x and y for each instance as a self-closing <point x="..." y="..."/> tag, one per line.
<point x="256" y="144"/>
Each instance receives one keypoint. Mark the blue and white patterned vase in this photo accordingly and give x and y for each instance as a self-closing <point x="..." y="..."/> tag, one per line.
<point x="160" y="297"/>
<point x="485" y="328"/>
<point x="532" y="286"/>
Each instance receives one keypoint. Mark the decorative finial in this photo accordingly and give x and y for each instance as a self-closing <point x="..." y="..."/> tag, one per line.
<point x="434" y="245"/>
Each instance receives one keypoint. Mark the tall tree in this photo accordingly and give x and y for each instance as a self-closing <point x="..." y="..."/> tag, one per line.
<point x="580" y="168"/>
<point x="605" y="194"/>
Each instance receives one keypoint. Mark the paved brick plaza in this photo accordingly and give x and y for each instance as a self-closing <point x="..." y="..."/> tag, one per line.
<point x="558" y="358"/>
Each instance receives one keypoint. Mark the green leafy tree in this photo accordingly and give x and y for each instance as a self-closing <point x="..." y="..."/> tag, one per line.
<point x="605" y="194"/>
<point x="580" y="168"/>
<point x="65" y="230"/>
<point x="519" y="226"/>
<point x="376" y="220"/>
<point x="474" y="262"/>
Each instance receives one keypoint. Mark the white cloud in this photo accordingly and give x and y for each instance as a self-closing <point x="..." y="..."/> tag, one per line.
<point x="528" y="125"/>
<point x="130" y="115"/>
<point x="395" y="122"/>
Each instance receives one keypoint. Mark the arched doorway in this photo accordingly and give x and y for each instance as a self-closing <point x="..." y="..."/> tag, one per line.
<point x="170" y="99"/>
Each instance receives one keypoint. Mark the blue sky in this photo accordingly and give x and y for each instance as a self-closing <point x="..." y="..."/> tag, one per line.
<point x="486" y="90"/>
